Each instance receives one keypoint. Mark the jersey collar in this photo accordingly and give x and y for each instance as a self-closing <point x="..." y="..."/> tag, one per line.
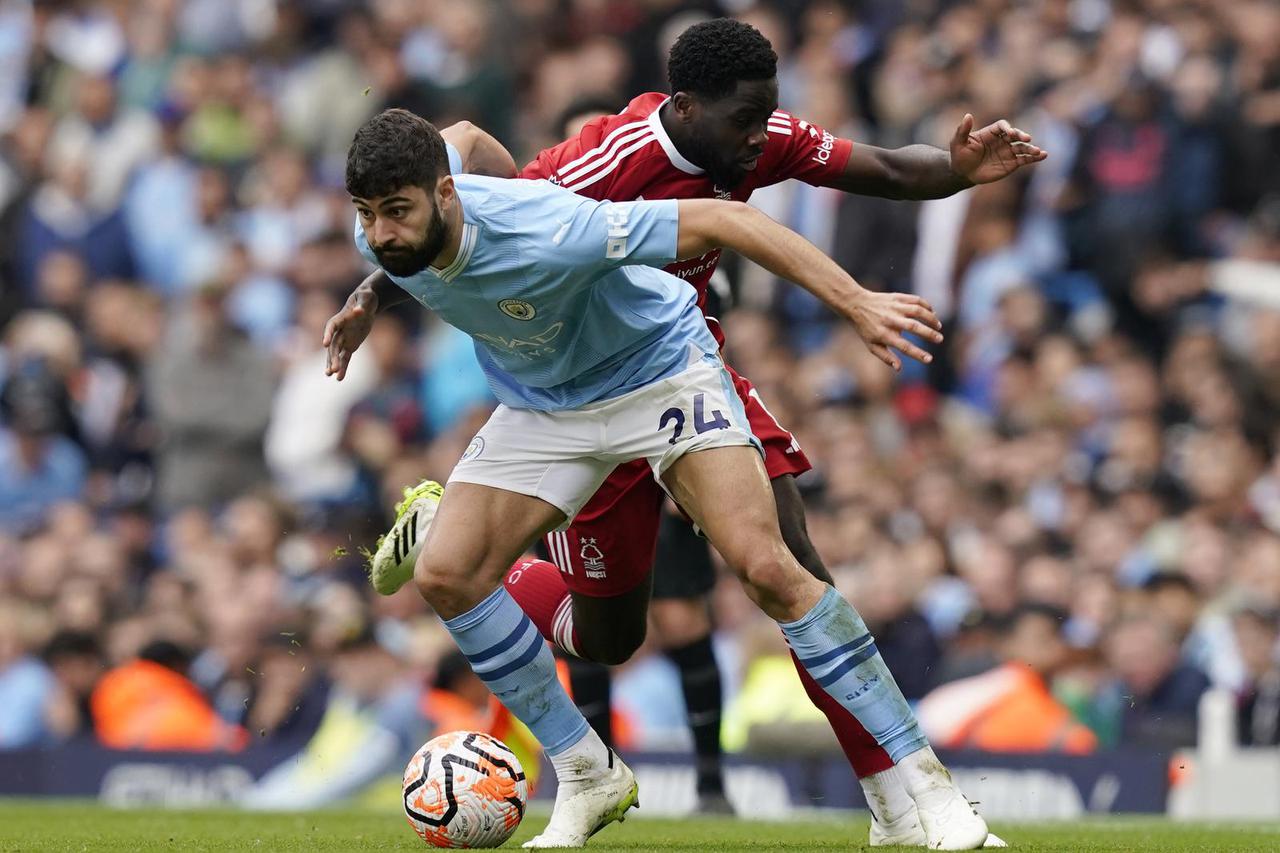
<point x="465" y="249"/>
<point x="676" y="158"/>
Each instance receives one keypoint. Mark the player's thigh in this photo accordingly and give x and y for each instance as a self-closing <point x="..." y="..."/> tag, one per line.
<point x="523" y="474"/>
<point x="784" y="460"/>
<point x="689" y="426"/>
<point x="608" y="549"/>
<point x="554" y="456"/>
<point x="611" y="628"/>
<point x="477" y="533"/>
<point x="725" y="492"/>
<point x="606" y="557"/>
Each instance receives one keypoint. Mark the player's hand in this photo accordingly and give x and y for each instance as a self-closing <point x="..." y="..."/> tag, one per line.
<point x="346" y="330"/>
<point x="991" y="153"/>
<point x="882" y="320"/>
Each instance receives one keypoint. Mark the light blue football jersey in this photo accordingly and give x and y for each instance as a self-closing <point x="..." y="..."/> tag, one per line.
<point x="562" y="295"/>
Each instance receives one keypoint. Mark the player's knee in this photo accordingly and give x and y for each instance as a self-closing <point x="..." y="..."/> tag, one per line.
<point x="431" y="582"/>
<point x="755" y="554"/>
<point x="443" y="586"/>
<point x="767" y="574"/>
<point x="613" y="653"/>
<point x="615" y="647"/>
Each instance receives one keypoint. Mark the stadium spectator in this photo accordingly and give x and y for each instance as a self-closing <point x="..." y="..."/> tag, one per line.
<point x="1011" y="708"/>
<point x="1154" y="696"/>
<point x="212" y="390"/>
<point x="290" y="694"/>
<point x="1257" y="632"/>
<point x="303" y="441"/>
<point x="26" y="685"/>
<point x="75" y="660"/>
<point x="39" y="463"/>
<point x="903" y="635"/>
<point x="149" y="703"/>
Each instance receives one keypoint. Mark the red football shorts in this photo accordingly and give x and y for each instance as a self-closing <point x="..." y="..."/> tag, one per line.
<point x="609" y="548"/>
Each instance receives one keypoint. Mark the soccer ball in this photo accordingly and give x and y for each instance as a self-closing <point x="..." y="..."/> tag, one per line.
<point x="464" y="789"/>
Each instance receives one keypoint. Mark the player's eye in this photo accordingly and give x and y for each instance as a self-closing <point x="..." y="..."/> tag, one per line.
<point x="397" y="212"/>
<point x="366" y="215"/>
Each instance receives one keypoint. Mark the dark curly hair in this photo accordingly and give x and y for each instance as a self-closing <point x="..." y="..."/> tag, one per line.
<point x="709" y="58"/>
<point x="395" y="149"/>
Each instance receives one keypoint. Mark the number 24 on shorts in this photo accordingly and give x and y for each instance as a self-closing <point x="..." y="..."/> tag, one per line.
<point x="700" y="423"/>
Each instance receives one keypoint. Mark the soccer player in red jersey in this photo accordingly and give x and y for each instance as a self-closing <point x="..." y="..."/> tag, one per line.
<point x="721" y="135"/>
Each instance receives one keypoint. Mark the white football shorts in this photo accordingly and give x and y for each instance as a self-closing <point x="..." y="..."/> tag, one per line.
<point x="563" y="457"/>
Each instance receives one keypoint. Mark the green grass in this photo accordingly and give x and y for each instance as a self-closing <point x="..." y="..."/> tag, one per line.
<point x="76" y="826"/>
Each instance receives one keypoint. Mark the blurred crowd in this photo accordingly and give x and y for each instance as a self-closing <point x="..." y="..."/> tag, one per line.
<point x="1075" y="509"/>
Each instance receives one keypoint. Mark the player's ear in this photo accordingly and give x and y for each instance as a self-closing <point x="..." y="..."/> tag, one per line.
<point x="446" y="193"/>
<point x="683" y="104"/>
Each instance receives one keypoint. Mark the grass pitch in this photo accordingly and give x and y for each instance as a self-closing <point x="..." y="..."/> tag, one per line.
<point x="27" y="826"/>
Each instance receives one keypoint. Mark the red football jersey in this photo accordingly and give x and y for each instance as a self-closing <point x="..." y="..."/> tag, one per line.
<point x="629" y="156"/>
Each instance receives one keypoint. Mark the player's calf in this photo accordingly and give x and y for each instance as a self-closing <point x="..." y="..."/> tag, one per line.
<point x="605" y="629"/>
<point x="795" y="531"/>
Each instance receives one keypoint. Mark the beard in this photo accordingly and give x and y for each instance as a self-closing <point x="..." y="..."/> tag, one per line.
<point x="724" y="174"/>
<point x="411" y="260"/>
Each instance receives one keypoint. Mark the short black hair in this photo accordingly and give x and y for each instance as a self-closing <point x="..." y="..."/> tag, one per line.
<point x="709" y="58"/>
<point x="1033" y="609"/>
<point x="395" y="149"/>
<point x="1169" y="580"/>
<point x="68" y="644"/>
<point x="168" y="654"/>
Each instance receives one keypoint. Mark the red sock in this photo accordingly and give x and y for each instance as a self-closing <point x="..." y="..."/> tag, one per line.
<point x="537" y="587"/>
<point x="864" y="754"/>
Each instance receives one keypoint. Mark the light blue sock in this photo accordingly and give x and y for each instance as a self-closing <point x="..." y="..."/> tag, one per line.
<point x="833" y="643"/>
<point x="510" y="656"/>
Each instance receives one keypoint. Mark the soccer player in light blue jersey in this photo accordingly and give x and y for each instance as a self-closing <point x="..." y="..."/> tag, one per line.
<point x="597" y="358"/>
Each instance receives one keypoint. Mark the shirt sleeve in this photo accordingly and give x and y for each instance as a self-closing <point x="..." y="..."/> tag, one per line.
<point x="455" y="159"/>
<point x="609" y="234"/>
<point x="538" y="168"/>
<point x="549" y="160"/>
<point x="805" y="152"/>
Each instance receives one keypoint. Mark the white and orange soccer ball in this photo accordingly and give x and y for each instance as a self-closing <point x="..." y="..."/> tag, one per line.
<point x="464" y="789"/>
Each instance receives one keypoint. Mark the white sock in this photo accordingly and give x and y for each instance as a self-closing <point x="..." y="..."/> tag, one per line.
<point x="925" y="779"/>
<point x="887" y="796"/>
<point x="585" y="757"/>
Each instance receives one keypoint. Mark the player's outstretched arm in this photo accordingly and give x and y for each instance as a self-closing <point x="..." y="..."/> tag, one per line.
<point x="922" y="171"/>
<point x="881" y="319"/>
<point x="481" y="153"/>
<point x="346" y="330"/>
